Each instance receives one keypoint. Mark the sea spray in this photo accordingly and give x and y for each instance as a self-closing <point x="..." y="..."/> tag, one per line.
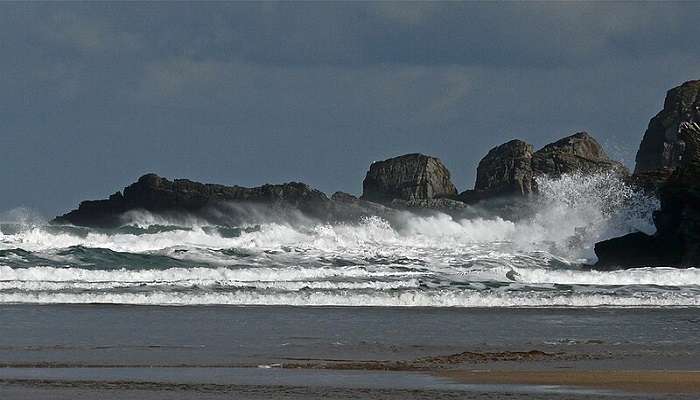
<point x="409" y="259"/>
<point x="577" y="210"/>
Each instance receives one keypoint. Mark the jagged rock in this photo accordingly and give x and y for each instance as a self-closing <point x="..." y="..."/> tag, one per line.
<point x="511" y="169"/>
<point x="409" y="177"/>
<point x="343" y="197"/>
<point x="579" y="152"/>
<point x="677" y="238"/>
<point x="471" y="196"/>
<point x="440" y="204"/>
<point x="651" y="181"/>
<point x="506" y="170"/>
<point x="679" y="214"/>
<point x="349" y="207"/>
<point x="661" y="146"/>
<point x="159" y="195"/>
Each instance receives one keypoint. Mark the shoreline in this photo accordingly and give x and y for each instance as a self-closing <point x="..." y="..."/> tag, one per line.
<point x="291" y="353"/>
<point x="469" y="308"/>
<point x="630" y="381"/>
<point x="624" y="383"/>
<point x="515" y="375"/>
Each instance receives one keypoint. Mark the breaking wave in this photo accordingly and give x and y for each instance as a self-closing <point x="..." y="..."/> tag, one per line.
<point x="434" y="260"/>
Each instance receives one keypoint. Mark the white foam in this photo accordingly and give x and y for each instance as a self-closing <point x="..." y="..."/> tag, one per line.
<point x="56" y="286"/>
<point x="412" y="260"/>
<point x="577" y="210"/>
<point x="638" y="276"/>
<point x="174" y="275"/>
<point x="377" y="299"/>
<point x="574" y="212"/>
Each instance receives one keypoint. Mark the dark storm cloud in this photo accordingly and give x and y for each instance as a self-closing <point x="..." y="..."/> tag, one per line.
<point x="350" y="34"/>
<point x="93" y="94"/>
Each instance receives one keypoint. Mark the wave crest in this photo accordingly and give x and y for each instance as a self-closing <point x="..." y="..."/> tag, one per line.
<point x="428" y="259"/>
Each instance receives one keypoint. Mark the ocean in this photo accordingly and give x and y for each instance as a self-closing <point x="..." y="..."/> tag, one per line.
<point x="435" y="260"/>
<point x="296" y="308"/>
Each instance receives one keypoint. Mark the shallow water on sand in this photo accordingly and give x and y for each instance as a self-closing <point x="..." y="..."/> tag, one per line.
<point x="82" y="351"/>
<point x="250" y="336"/>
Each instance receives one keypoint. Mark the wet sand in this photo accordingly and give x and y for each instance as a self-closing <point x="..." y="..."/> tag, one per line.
<point x="667" y="382"/>
<point x="153" y="353"/>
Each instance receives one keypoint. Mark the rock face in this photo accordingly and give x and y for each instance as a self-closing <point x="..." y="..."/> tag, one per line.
<point x="661" y="147"/>
<point x="349" y="207"/>
<point x="652" y="181"/>
<point x="511" y="168"/>
<point x="411" y="177"/>
<point x="343" y="197"/>
<point x="636" y="250"/>
<point x="159" y="195"/>
<point x="579" y="152"/>
<point x="442" y="204"/>
<point x="679" y="215"/>
<point x="506" y="169"/>
<point x="677" y="238"/>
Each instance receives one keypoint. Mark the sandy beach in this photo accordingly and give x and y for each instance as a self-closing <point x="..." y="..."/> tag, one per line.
<point x="156" y="353"/>
<point x="662" y="382"/>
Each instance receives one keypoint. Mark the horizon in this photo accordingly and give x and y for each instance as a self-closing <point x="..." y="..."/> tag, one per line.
<point x="97" y="95"/>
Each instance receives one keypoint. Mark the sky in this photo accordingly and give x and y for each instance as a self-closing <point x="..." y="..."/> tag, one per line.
<point x="93" y="95"/>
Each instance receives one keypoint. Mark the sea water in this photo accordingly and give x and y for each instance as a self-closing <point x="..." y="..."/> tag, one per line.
<point x="428" y="260"/>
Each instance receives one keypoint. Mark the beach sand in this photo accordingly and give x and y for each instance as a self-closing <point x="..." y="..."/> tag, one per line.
<point x="153" y="353"/>
<point x="687" y="382"/>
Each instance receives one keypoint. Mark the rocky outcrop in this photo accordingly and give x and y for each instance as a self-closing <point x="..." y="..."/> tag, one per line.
<point x="511" y="169"/>
<point x="411" y="177"/>
<point x="349" y="207"/>
<point x="677" y="238"/>
<point x="636" y="250"/>
<point x="442" y="204"/>
<point x="679" y="214"/>
<point x="579" y="152"/>
<point x="506" y="169"/>
<point x="652" y="181"/>
<point x="161" y="196"/>
<point x="343" y="197"/>
<point x="218" y="204"/>
<point x="668" y="165"/>
<point x="661" y="147"/>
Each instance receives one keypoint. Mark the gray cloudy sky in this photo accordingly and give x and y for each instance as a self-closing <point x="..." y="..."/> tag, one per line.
<point x="94" y="95"/>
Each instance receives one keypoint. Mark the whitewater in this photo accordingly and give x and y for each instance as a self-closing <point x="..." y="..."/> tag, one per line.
<point x="431" y="260"/>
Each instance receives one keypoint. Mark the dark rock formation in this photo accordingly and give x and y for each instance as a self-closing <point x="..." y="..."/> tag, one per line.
<point x="219" y="204"/>
<point x="343" y="197"/>
<point x="161" y="196"/>
<point x="506" y="169"/>
<point x="411" y="177"/>
<point x="677" y="238"/>
<point x="579" y="152"/>
<point x="679" y="214"/>
<point x="661" y="146"/>
<point x="440" y="204"/>
<point x="349" y="207"/>
<point x="652" y="181"/>
<point x="636" y="250"/>
<point x="509" y="170"/>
